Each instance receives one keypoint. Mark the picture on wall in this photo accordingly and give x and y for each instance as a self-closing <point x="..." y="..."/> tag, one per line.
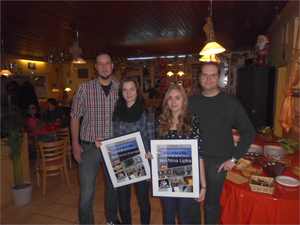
<point x="31" y="65"/>
<point x="147" y="84"/>
<point x="83" y="73"/>
<point x="146" y="71"/>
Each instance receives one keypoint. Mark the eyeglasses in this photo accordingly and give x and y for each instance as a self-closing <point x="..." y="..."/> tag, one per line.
<point x="204" y="75"/>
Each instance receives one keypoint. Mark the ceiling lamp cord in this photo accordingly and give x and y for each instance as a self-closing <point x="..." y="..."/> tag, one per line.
<point x="211" y="47"/>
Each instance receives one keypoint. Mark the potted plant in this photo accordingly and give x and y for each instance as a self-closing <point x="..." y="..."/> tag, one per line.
<point x="12" y="125"/>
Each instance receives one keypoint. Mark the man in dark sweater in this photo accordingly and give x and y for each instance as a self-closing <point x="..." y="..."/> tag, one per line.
<point x="53" y="112"/>
<point x="219" y="113"/>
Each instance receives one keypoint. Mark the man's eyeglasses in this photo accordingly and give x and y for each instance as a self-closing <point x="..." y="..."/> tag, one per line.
<point x="204" y="75"/>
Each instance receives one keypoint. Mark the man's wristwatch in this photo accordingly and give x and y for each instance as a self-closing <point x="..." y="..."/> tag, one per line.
<point x="232" y="159"/>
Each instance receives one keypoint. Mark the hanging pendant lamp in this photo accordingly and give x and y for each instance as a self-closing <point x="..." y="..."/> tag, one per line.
<point x="211" y="47"/>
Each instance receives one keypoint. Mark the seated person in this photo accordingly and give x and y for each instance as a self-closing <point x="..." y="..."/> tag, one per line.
<point x="35" y="123"/>
<point x="153" y="92"/>
<point x="53" y="112"/>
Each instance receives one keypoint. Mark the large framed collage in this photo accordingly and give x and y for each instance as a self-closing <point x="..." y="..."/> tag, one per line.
<point x="175" y="168"/>
<point x="125" y="160"/>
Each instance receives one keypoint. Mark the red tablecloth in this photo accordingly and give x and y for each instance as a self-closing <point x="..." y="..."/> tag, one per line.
<point x="48" y="127"/>
<point x="240" y="205"/>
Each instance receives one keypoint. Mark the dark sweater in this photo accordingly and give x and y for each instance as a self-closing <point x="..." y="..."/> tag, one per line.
<point x="219" y="114"/>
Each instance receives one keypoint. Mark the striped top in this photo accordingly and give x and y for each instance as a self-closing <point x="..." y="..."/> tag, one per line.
<point x="91" y="103"/>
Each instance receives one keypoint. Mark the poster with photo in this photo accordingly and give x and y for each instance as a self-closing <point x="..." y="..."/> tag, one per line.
<point x="175" y="168"/>
<point x="124" y="157"/>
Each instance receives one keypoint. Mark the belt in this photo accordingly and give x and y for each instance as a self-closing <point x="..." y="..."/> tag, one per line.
<point x="87" y="142"/>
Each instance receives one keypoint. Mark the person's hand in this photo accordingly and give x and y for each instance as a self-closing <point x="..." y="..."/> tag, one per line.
<point x="228" y="165"/>
<point x="98" y="142"/>
<point x="149" y="155"/>
<point x="201" y="196"/>
<point x="77" y="150"/>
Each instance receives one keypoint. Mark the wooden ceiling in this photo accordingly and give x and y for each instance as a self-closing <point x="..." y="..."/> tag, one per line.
<point x="132" y="28"/>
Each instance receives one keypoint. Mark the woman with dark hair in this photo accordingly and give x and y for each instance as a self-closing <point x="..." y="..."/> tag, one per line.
<point x="177" y="122"/>
<point x="131" y="114"/>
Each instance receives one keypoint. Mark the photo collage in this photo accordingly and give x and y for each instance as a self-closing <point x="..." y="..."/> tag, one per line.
<point x="126" y="160"/>
<point x="175" y="172"/>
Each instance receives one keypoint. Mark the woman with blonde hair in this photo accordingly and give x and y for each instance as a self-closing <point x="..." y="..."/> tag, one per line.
<point x="177" y="122"/>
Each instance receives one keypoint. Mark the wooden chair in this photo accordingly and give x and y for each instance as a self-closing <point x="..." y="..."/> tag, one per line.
<point x="64" y="133"/>
<point x="53" y="161"/>
<point x="33" y="141"/>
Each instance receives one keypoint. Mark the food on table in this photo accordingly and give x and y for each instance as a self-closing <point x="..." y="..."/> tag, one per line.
<point x="242" y="163"/>
<point x="296" y="170"/>
<point x="273" y="169"/>
<point x="248" y="171"/>
<point x="280" y="159"/>
<point x="289" y="145"/>
<point x="253" y="157"/>
<point x="261" y="183"/>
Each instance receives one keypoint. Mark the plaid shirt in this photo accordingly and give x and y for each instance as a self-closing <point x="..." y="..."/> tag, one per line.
<point x="145" y="127"/>
<point x="91" y="103"/>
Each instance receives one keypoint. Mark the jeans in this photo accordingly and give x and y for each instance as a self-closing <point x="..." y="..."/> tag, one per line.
<point x="142" y="192"/>
<point x="181" y="206"/>
<point x="88" y="171"/>
<point x="214" y="182"/>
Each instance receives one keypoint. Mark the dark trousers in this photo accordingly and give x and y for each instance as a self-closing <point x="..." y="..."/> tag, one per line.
<point x="179" y="206"/>
<point x="124" y="196"/>
<point x="214" y="182"/>
<point x="196" y="213"/>
<point x="88" y="171"/>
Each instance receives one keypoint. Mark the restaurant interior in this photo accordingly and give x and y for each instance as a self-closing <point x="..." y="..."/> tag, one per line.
<point x="53" y="44"/>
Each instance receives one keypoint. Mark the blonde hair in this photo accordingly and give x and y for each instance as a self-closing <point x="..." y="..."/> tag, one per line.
<point x="184" y="118"/>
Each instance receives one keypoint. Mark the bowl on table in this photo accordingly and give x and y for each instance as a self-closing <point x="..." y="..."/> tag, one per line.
<point x="252" y="170"/>
<point x="255" y="148"/>
<point x="242" y="163"/>
<point x="253" y="157"/>
<point x="273" y="150"/>
<point x="280" y="159"/>
<point x="272" y="168"/>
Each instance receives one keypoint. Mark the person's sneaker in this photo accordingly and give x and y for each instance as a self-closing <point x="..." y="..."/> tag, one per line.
<point x="114" y="222"/>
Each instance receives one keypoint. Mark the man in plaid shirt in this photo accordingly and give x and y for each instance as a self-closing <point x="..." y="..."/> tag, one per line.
<point x="94" y="101"/>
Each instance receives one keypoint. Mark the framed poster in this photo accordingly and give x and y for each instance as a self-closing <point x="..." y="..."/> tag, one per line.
<point x="175" y="168"/>
<point x="83" y="73"/>
<point x="124" y="157"/>
<point x="147" y="85"/>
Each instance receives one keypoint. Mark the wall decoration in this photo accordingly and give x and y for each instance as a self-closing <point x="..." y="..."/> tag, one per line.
<point x="83" y="73"/>
<point x="31" y="65"/>
<point x="156" y="80"/>
<point x="146" y="71"/>
<point x="147" y="84"/>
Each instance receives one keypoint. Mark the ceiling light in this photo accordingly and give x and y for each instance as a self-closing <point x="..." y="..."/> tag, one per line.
<point x="79" y="61"/>
<point x="76" y="51"/>
<point x="209" y="58"/>
<point x="55" y="90"/>
<point x="5" y="73"/>
<point x="180" y="73"/>
<point x="211" y="47"/>
<point x="170" y="73"/>
<point x="68" y="89"/>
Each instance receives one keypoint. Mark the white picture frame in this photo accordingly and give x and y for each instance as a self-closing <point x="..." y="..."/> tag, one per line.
<point x="175" y="168"/>
<point x="124" y="157"/>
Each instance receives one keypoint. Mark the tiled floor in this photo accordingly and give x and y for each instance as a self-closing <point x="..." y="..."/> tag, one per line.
<point x="60" y="204"/>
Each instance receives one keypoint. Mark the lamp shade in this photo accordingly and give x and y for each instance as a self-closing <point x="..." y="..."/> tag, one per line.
<point x="212" y="48"/>
<point x="209" y="58"/>
<point x="170" y="73"/>
<point x="180" y="73"/>
<point x="5" y="73"/>
<point x="68" y="89"/>
<point x="55" y="90"/>
<point x="79" y="60"/>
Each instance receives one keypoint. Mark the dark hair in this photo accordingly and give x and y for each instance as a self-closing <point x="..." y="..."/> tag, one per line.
<point x="103" y="53"/>
<point x="52" y="101"/>
<point x="156" y="86"/>
<point x="211" y="64"/>
<point x="139" y="98"/>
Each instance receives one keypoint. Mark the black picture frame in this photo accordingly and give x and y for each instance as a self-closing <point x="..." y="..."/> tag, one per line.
<point x="83" y="73"/>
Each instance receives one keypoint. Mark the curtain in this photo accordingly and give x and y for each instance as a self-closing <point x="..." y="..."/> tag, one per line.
<point x="286" y="118"/>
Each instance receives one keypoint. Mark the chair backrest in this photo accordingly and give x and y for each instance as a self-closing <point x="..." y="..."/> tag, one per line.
<point x="61" y="133"/>
<point x="53" y="151"/>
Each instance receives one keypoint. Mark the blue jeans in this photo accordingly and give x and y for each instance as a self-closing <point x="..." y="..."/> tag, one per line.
<point x="214" y="182"/>
<point x="142" y="192"/>
<point x="88" y="171"/>
<point x="181" y="206"/>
